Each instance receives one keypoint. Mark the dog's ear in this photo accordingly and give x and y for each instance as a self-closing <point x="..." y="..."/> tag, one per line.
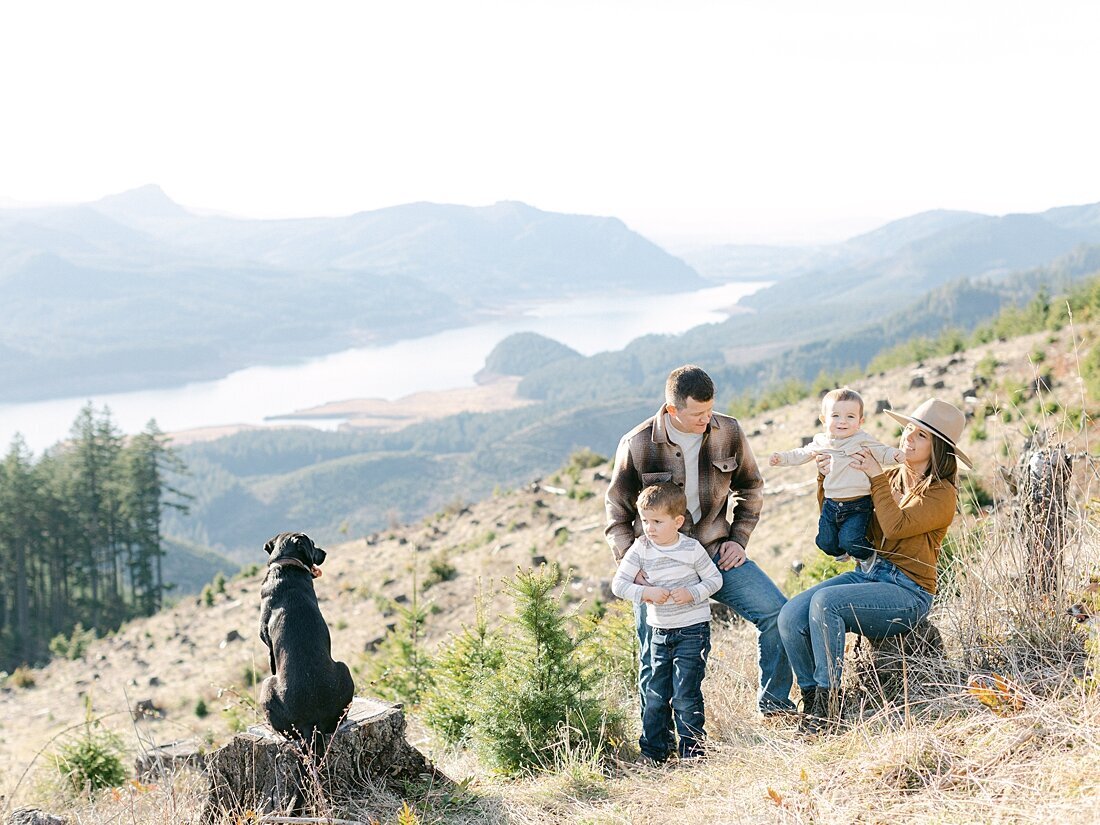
<point x="312" y="553"/>
<point x="270" y="545"/>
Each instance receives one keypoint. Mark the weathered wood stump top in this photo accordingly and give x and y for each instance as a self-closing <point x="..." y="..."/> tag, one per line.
<point x="35" y="816"/>
<point x="265" y="772"/>
<point x="165" y="760"/>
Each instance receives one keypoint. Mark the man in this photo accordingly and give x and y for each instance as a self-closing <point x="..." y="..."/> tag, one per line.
<point x="707" y="455"/>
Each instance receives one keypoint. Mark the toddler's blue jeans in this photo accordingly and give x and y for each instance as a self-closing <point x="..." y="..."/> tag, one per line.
<point x="842" y="527"/>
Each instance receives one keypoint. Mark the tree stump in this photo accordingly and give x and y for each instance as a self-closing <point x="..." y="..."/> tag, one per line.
<point x="165" y="760"/>
<point x="264" y="772"/>
<point x="882" y="665"/>
<point x="1044" y="484"/>
<point x="35" y="816"/>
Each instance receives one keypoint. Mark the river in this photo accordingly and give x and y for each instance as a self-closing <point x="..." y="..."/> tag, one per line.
<point x="445" y="360"/>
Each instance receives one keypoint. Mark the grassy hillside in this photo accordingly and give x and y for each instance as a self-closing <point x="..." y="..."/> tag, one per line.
<point x="935" y="756"/>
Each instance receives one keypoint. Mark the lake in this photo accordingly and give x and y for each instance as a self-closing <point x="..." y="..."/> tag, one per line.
<point x="445" y="360"/>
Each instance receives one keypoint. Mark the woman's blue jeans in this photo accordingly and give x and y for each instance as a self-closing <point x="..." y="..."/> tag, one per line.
<point x="879" y="602"/>
<point x="679" y="660"/>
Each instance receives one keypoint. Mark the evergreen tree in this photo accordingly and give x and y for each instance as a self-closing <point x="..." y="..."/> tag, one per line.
<point x="80" y="532"/>
<point x="465" y="662"/>
<point x="144" y="465"/>
<point x="544" y="701"/>
<point x="399" y="670"/>
<point x="20" y="542"/>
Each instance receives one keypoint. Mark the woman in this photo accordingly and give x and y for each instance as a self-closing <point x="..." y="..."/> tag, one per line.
<point x="892" y="591"/>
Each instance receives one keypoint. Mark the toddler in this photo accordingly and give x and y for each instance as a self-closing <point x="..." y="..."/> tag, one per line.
<point x="846" y="512"/>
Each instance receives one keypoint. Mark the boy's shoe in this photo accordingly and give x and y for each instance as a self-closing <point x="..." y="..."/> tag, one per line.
<point x="651" y="762"/>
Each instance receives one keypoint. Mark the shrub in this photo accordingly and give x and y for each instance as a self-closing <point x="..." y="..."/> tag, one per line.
<point x="22" y="677"/>
<point x="544" y="700"/>
<point x="611" y="641"/>
<point x="219" y="582"/>
<point x="465" y="662"/>
<point x="74" y="646"/>
<point x="93" y="760"/>
<point x="585" y="459"/>
<point x="400" y="669"/>
<point x="248" y="571"/>
<point x="201" y="710"/>
<point x="439" y="570"/>
<point x="814" y="571"/>
<point x="252" y="675"/>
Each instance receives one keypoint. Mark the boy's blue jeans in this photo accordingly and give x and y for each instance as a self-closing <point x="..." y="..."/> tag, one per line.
<point x="842" y="527"/>
<point x="679" y="660"/>
<point x="754" y="597"/>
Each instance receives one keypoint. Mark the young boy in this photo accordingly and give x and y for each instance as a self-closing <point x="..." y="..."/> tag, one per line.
<point x="681" y="579"/>
<point x="846" y="512"/>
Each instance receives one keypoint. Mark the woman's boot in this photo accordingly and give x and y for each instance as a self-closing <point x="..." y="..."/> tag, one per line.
<point x="825" y="716"/>
<point x="809" y="707"/>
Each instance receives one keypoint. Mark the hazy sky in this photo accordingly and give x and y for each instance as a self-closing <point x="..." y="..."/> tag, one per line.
<point x="739" y="121"/>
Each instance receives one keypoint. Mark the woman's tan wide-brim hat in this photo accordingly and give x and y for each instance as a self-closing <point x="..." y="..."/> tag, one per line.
<point x="943" y="420"/>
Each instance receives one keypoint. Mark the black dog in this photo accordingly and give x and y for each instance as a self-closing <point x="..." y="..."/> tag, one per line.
<point x="307" y="692"/>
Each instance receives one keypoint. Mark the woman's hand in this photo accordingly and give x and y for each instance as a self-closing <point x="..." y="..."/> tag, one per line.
<point x="863" y="460"/>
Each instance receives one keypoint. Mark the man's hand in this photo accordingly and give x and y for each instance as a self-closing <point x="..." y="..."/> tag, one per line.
<point x="730" y="555"/>
<point x="681" y="595"/>
<point x="824" y="463"/>
<point x="655" y="595"/>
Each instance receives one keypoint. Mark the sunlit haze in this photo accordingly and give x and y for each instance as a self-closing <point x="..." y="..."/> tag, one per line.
<point x="692" y="121"/>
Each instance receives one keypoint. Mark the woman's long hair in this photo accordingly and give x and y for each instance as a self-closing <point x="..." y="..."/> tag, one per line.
<point x="942" y="466"/>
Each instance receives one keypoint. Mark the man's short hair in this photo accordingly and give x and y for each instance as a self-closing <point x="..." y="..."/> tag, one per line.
<point x="841" y="394"/>
<point x="688" y="381"/>
<point x="665" y="497"/>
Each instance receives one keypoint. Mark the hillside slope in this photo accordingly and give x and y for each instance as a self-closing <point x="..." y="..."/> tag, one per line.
<point x="190" y="652"/>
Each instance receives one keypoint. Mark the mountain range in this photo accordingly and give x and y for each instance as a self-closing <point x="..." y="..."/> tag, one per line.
<point x="134" y="291"/>
<point x="199" y="294"/>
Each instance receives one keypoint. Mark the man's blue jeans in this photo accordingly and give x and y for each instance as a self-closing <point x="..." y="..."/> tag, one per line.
<point x="879" y="602"/>
<point x="842" y="527"/>
<point x="679" y="660"/>
<point x="753" y="596"/>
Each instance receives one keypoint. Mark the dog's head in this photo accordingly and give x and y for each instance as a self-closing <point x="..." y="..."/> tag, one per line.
<point x="297" y="546"/>
<point x="1088" y="608"/>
